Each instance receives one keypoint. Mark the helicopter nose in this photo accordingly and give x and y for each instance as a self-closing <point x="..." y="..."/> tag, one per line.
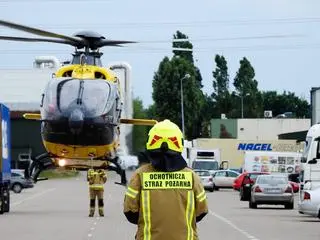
<point x="76" y="121"/>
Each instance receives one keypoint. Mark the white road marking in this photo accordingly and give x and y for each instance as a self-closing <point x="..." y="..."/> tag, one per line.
<point x="246" y="234"/>
<point x="32" y="197"/>
<point x="90" y="234"/>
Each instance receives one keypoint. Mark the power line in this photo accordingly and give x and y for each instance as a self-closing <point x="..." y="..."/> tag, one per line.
<point x="211" y="39"/>
<point x="191" y="40"/>
<point x="167" y="50"/>
<point x="43" y="1"/>
<point x="239" y="22"/>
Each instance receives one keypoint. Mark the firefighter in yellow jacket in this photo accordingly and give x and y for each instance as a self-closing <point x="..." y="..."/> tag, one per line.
<point x="165" y="198"/>
<point x="96" y="179"/>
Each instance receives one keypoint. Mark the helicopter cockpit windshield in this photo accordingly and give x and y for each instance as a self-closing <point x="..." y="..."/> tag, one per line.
<point x="93" y="97"/>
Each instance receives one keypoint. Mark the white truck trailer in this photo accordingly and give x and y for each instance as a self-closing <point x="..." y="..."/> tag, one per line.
<point x="267" y="161"/>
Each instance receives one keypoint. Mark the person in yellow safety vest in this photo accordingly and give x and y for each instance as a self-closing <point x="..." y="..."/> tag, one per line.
<point x="96" y="179"/>
<point x="165" y="198"/>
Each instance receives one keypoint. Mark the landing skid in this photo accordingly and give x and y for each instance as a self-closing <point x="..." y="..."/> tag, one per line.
<point x="43" y="162"/>
<point x="37" y="165"/>
<point x="118" y="170"/>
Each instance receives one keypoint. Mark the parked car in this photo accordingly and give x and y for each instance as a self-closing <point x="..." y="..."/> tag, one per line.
<point x="272" y="189"/>
<point x="309" y="203"/>
<point x="18" y="181"/>
<point x="224" y="178"/>
<point x="238" y="170"/>
<point x="206" y="179"/>
<point x="238" y="181"/>
<point x="293" y="182"/>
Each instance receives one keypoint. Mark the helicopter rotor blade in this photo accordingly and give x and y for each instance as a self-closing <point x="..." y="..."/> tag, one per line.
<point x="39" y="31"/>
<point x="23" y="39"/>
<point x="105" y="42"/>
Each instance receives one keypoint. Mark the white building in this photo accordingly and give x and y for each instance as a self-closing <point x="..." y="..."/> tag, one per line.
<point x="257" y="129"/>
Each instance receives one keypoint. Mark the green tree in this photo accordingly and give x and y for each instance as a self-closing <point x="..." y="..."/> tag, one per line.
<point x="151" y="112"/>
<point x="207" y="113"/>
<point x="183" y="48"/>
<point x="167" y="95"/>
<point x="180" y="41"/>
<point x="285" y="102"/>
<point x="221" y="94"/>
<point x="139" y="133"/>
<point x="247" y="90"/>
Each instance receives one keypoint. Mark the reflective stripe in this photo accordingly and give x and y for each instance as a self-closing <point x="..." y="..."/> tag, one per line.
<point x="131" y="192"/>
<point x="146" y="214"/>
<point x="96" y="186"/>
<point x="130" y="195"/>
<point x="200" y="195"/>
<point x="203" y="198"/>
<point x="189" y="214"/>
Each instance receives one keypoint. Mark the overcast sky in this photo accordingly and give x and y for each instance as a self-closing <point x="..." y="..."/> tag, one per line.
<point x="279" y="37"/>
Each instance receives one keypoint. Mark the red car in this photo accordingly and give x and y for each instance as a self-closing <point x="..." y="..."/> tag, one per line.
<point x="295" y="186"/>
<point x="238" y="181"/>
<point x="253" y="175"/>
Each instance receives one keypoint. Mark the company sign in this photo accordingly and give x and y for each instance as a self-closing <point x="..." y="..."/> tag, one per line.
<point x="255" y="146"/>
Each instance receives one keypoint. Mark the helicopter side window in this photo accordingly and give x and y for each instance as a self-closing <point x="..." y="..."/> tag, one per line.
<point x="97" y="94"/>
<point x="90" y="60"/>
<point x="67" y="74"/>
<point x="99" y="75"/>
<point x="49" y="100"/>
<point x="67" y="95"/>
<point x="59" y="87"/>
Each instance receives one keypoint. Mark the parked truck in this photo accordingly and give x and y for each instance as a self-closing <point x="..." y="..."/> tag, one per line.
<point x="5" y="159"/>
<point x="267" y="161"/>
<point x="310" y="161"/>
<point x="206" y="159"/>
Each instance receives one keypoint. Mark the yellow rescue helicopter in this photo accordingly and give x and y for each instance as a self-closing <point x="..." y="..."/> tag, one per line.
<point x="80" y="109"/>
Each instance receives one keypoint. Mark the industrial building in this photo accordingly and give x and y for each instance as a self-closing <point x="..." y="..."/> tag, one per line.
<point x="233" y="137"/>
<point x="258" y="128"/>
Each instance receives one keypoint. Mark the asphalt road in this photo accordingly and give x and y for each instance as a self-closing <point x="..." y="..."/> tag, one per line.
<point x="58" y="209"/>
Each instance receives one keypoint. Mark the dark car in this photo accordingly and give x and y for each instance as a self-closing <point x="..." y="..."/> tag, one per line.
<point x="18" y="182"/>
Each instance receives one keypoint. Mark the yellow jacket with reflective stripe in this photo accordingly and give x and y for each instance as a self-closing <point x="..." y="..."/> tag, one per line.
<point x="97" y="180"/>
<point x="169" y="210"/>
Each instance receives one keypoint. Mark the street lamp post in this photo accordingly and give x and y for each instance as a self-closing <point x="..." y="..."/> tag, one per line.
<point x="241" y="105"/>
<point x="241" y="96"/>
<point x="182" y="110"/>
